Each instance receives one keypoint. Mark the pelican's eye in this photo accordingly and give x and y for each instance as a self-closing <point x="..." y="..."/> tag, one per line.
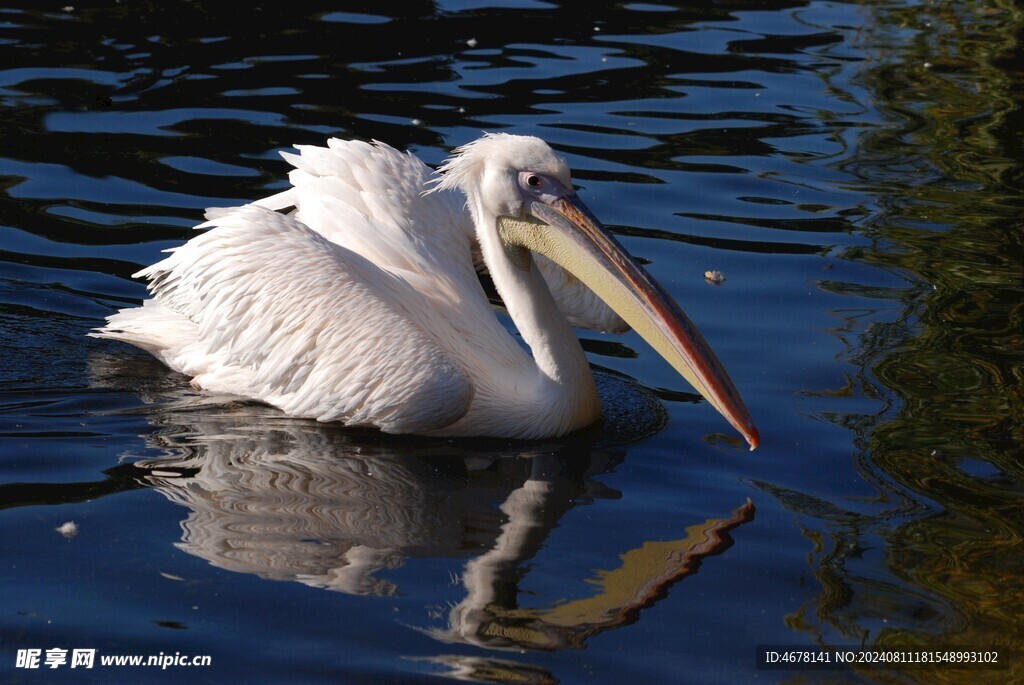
<point x="539" y="186"/>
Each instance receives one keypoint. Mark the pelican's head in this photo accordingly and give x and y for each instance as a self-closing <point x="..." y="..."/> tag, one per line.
<point x="490" y="172"/>
<point x="527" y="189"/>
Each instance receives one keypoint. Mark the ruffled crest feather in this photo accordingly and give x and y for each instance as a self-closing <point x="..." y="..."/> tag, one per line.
<point x="500" y="149"/>
<point x="464" y="162"/>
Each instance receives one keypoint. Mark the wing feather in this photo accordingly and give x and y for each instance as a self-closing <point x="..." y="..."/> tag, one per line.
<point x="369" y="198"/>
<point x="281" y="314"/>
<point x="365" y="196"/>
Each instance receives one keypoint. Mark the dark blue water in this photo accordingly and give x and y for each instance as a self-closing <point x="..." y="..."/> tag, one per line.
<point x="852" y="170"/>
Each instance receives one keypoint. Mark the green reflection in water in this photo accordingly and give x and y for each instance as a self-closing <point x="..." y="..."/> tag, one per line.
<point x="944" y="564"/>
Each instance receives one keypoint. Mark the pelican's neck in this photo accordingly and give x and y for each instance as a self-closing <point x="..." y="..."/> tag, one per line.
<point x="556" y="350"/>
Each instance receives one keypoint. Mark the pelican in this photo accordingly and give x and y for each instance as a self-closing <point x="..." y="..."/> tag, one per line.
<point x="354" y="296"/>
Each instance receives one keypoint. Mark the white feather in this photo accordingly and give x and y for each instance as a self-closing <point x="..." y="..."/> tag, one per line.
<point x="361" y="306"/>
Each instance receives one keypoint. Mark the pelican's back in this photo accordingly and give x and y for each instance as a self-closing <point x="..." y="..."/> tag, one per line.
<point x="370" y="198"/>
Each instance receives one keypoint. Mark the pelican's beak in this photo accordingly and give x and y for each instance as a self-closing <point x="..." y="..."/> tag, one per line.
<point x="573" y="238"/>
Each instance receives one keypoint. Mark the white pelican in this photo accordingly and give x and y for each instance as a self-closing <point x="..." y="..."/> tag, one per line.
<point x="363" y="304"/>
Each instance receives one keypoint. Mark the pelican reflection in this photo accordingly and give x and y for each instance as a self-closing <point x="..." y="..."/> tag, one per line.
<point x="293" y="500"/>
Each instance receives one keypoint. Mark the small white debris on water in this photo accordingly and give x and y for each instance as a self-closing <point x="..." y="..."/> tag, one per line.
<point x="68" y="8"/>
<point x="714" y="277"/>
<point x="416" y="122"/>
<point x="68" y="529"/>
<point x="927" y="65"/>
<point x="471" y="42"/>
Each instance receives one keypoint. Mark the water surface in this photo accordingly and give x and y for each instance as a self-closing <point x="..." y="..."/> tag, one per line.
<point x="854" y="172"/>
